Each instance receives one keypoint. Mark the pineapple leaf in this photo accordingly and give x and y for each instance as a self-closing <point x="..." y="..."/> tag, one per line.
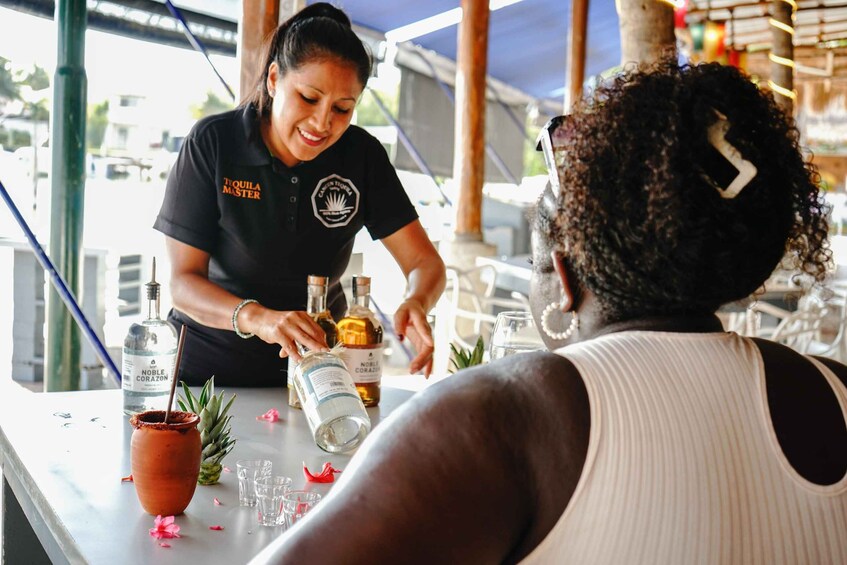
<point x="213" y="406"/>
<point x="214" y="426"/>
<point x="189" y="397"/>
<point x="461" y="358"/>
<point x="216" y="431"/>
<point x="204" y="394"/>
<point x="478" y="351"/>
<point x="228" y="404"/>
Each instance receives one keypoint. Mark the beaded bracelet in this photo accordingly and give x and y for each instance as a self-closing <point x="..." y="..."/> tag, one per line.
<point x="235" y="312"/>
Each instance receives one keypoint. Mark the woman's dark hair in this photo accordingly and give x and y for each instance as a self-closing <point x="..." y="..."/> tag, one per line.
<point x="639" y="219"/>
<point x="317" y="32"/>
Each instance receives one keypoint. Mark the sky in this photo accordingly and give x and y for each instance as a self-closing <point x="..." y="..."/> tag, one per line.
<point x="172" y="78"/>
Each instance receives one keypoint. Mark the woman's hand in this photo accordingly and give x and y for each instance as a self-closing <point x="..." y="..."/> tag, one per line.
<point x="424" y="271"/>
<point x="285" y="328"/>
<point x="410" y="321"/>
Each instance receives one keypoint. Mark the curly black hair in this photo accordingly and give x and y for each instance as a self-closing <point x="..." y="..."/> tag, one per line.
<point x="639" y="220"/>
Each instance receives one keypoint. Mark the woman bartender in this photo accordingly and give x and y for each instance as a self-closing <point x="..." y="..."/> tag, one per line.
<point x="275" y="190"/>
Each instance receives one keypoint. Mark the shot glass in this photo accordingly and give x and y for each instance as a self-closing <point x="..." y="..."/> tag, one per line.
<point x="269" y="493"/>
<point x="248" y="471"/>
<point x="296" y="503"/>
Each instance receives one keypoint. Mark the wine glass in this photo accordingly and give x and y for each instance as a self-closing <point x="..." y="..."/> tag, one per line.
<point x="514" y="332"/>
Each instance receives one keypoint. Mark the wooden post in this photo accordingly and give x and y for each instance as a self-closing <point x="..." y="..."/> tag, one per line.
<point x="469" y="155"/>
<point x="646" y="30"/>
<point x="259" y="18"/>
<point x="782" y="61"/>
<point x="577" y="35"/>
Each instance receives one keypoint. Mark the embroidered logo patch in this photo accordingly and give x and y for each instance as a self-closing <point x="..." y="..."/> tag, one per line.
<point x="242" y="189"/>
<point x="335" y="201"/>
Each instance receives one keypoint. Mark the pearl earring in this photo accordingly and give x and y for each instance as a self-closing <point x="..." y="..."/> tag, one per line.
<point x="558" y="336"/>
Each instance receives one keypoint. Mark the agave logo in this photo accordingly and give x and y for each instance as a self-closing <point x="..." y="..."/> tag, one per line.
<point x="335" y="201"/>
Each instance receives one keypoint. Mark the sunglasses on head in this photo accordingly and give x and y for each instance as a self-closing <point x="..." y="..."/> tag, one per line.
<point x="551" y="142"/>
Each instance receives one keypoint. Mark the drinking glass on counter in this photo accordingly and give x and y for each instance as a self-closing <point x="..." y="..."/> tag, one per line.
<point x="296" y="503"/>
<point x="248" y="471"/>
<point x="514" y="332"/>
<point x="269" y="494"/>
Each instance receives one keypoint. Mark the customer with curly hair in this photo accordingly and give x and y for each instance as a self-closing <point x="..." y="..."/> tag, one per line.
<point x="649" y="435"/>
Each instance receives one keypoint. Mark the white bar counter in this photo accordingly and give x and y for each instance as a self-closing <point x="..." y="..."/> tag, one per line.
<point x="63" y="456"/>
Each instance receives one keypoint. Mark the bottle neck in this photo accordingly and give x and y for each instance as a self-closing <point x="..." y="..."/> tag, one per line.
<point x="362" y="299"/>
<point x="316" y="302"/>
<point x="153" y="309"/>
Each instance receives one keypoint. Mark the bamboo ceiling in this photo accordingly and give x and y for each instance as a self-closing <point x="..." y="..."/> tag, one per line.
<point x="820" y="34"/>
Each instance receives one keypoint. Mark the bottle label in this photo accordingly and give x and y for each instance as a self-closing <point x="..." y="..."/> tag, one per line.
<point x="325" y="381"/>
<point x="364" y="362"/>
<point x="147" y="372"/>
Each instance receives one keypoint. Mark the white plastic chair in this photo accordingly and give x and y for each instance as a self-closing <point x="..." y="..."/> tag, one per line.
<point x="472" y="305"/>
<point x="805" y="330"/>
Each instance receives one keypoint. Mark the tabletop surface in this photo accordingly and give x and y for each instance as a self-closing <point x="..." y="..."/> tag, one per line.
<point x="69" y="452"/>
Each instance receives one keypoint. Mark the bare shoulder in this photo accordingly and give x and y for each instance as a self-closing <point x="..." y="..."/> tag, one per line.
<point x="518" y="396"/>
<point x="805" y="411"/>
<point x="467" y="462"/>
<point x="540" y="405"/>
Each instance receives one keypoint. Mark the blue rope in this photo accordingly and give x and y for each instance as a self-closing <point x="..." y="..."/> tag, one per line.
<point x="407" y="143"/>
<point x="195" y="42"/>
<point x="62" y="288"/>
<point x="489" y="149"/>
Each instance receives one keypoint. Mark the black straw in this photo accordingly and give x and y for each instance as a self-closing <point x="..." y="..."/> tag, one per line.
<point x="176" y="371"/>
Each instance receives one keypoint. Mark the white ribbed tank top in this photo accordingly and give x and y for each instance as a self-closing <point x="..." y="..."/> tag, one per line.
<point x="683" y="464"/>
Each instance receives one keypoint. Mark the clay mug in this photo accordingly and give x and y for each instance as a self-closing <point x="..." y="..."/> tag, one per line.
<point x="165" y="460"/>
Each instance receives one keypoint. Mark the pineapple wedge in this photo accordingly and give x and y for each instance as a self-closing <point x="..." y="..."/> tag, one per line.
<point x="214" y="429"/>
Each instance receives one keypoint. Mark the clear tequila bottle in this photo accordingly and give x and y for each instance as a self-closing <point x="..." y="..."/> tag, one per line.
<point x="316" y="308"/>
<point x="149" y="353"/>
<point x="361" y="334"/>
<point x="334" y="411"/>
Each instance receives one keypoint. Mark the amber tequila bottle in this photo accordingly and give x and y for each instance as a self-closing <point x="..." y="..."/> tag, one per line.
<point x="316" y="308"/>
<point x="361" y="334"/>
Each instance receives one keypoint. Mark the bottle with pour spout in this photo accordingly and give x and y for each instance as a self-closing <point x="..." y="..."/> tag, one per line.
<point x="149" y="353"/>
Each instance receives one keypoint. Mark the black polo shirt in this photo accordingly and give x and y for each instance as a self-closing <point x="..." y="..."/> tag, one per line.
<point x="267" y="226"/>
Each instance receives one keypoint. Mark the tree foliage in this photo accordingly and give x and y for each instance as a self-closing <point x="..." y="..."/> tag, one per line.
<point x="212" y="105"/>
<point x="368" y="112"/>
<point x="36" y="78"/>
<point x="95" y="130"/>
<point x="9" y="89"/>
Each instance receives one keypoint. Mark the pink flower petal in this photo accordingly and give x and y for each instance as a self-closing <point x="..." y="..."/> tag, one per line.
<point x="218" y="528"/>
<point x="324" y="476"/>
<point x="217" y="502"/>
<point x="164" y="528"/>
<point x="227" y="470"/>
<point x="271" y="415"/>
<point x="164" y="544"/>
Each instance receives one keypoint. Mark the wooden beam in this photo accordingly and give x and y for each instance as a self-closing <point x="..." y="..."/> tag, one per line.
<point x="782" y="47"/>
<point x="646" y="28"/>
<point x="259" y="18"/>
<point x="469" y="154"/>
<point x="577" y="36"/>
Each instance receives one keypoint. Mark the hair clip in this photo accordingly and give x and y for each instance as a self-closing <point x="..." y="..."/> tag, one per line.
<point x="746" y="170"/>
